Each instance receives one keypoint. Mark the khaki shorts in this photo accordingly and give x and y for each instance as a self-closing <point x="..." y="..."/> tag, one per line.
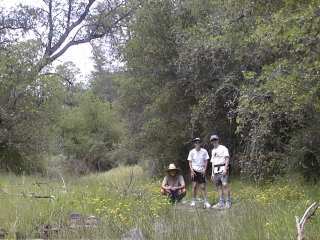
<point x="220" y="179"/>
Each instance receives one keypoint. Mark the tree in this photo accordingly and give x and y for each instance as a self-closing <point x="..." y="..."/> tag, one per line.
<point x="180" y="79"/>
<point x="66" y="23"/>
<point x="28" y="106"/>
<point x="247" y="69"/>
<point x="90" y="130"/>
<point x="25" y="72"/>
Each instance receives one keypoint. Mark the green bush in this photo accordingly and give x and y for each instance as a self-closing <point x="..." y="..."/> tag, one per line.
<point x="90" y="131"/>
<point x="304" y="152"/>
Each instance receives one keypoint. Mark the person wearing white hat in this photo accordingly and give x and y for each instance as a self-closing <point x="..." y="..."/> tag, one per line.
<point x="198" y="160"/>
<point x="173" y="184"/>
<point x="220" y="163"/>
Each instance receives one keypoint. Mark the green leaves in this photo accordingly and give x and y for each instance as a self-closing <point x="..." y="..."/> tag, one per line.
<point x="283" y="100"/>
<point x="90" y="130"/>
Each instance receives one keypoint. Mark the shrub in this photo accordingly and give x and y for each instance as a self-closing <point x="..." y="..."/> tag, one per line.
<point x="90" y="131"/>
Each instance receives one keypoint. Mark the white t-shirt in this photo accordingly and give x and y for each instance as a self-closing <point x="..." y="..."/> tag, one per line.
<point x="198" y="159"/>
<point x="219" y="155"/>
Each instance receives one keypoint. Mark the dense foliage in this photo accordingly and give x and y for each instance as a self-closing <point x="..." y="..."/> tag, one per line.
<point x="89" y="131"/>
<point x="247" y="70"/>
<point x="29" y="104"/>
<point x="38" y="101"/>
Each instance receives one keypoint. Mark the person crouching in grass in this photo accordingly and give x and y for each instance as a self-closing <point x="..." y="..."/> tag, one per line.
<point x="173" y="184"/>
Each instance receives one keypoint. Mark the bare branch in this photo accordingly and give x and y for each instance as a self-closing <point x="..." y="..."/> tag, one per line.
<point x="45" y="2"/>
<point x="73" y="25"/>
<point x="69" y="13"/>
<point x="58" y="75"/>
<point x="306" y="216"/>
<point x="95" y="30"/>
<point x="50" y="34"/>
<point x="75" y="42"/>
<point x="89" y="38"/>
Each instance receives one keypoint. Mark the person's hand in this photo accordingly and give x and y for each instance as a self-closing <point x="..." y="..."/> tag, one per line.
<point x="174" y="188"/>
<point x="192" y="174"/>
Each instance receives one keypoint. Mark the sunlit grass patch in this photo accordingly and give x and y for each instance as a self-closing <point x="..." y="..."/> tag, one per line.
<point x="124" y="198"/>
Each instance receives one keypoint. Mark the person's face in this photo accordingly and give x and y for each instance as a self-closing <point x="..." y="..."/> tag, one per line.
<point x="215" y="142"/>
<point x="173" y="173"/>
<point x="197" y="145"/>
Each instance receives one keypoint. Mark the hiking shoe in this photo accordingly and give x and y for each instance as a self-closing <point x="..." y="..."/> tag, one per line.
<point x="219" y="205"/>
<point x="192" y="204"/>
<point x="228" y="204"/>
<point x="206" y="205"/>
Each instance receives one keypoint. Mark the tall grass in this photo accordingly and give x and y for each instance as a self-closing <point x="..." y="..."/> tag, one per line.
<point x="124" y="198"/>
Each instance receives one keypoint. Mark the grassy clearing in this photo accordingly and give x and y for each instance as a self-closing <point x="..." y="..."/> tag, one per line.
<point x="123" y="199"/>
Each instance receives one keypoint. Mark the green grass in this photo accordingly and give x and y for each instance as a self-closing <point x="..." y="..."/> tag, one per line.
<point x="124" y="198"/>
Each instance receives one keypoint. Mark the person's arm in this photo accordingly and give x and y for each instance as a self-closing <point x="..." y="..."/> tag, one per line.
<point x="164" y="184"/>
<point x="226" y="166"/>
<point x="206" y="162"/>
<point x="192" y="173"/>
<point x="205" y="166"/>
<point x="211" y="161"/>
<point x="226" y="155"/>
<point x="182" y="184"/>
<point x="191" y="169"/>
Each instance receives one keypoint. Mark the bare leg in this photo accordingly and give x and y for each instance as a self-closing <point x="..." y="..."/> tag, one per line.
<point x="226" y="191"/>
<point x="203" y="191"/>
<point x="220" y="193"/>
<point x="182" y="194"/>
<point x="194" y="190"/>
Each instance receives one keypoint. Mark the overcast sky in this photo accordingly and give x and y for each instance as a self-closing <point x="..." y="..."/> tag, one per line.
<point x="80" y="55"/>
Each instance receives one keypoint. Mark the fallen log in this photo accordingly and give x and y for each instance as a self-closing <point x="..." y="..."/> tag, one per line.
<point x="33" y="195"/>
<point x="30" y="195"/>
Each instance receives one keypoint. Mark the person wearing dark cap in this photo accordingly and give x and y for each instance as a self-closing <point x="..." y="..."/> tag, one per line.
<point x="220" y="163"/>
<point x="173" y="184"/>
<point x="198" y="160"/>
